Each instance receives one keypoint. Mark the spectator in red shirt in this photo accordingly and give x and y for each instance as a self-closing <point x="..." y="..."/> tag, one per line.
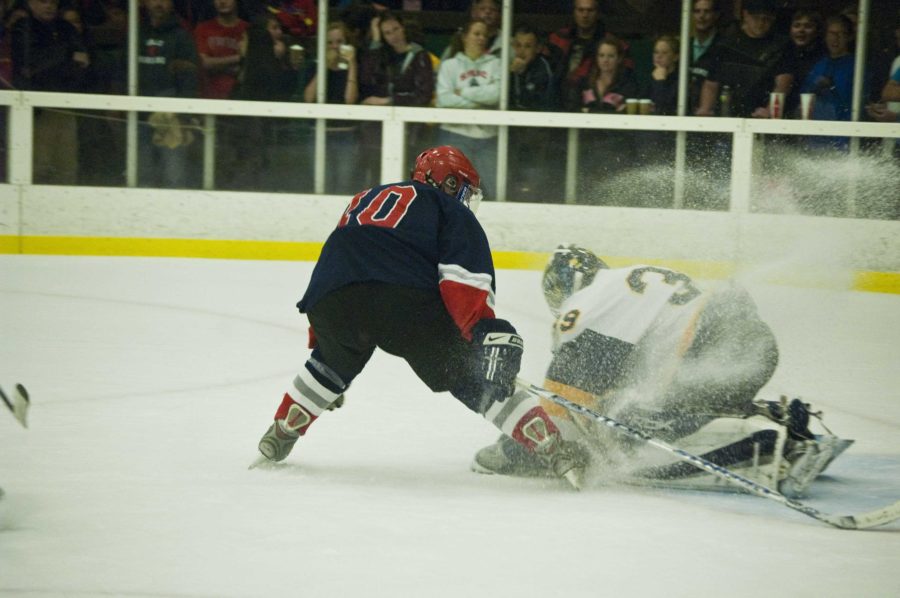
<point x="218" y="45"/>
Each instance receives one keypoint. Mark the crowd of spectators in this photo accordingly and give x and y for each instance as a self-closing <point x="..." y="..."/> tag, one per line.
<point x="377" y="53"/>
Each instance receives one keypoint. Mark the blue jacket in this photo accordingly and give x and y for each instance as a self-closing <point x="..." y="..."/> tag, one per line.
<point x="831" y="79"/>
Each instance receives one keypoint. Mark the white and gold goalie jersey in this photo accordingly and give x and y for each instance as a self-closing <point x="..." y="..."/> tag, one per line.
<point x="629" y="327"/>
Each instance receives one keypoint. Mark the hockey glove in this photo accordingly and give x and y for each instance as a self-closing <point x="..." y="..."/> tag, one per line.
<point x="498" y="353"/>
<point x="794" y="415"/>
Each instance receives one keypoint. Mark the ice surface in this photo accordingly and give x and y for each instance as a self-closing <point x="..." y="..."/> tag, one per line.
<point x="152" y="380"/>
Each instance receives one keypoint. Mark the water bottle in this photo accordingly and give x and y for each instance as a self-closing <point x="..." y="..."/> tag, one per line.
<point x="725" y="101"/>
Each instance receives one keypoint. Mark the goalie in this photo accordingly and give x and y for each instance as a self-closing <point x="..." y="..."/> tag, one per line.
<point x="646" y="346"/>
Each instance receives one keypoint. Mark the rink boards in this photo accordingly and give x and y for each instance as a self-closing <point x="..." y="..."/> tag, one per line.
<point x="799" y="250"/>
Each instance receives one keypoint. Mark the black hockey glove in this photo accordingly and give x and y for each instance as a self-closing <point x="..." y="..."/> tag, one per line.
<point x="498" y="353"/>
<point x="794" y="415"/>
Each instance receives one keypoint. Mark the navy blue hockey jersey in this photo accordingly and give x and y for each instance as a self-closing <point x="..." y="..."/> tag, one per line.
<point x="413" y="235"/>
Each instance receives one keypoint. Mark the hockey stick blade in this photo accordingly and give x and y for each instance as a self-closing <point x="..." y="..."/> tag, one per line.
<point x="865" y="520"/>
<point x="19" y="404"/>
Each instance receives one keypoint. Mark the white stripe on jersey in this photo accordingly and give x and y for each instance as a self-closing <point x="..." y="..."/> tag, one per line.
<point x="478" y="280"/>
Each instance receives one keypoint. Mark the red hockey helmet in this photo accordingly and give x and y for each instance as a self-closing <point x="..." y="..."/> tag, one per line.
<point x="448" y="169"/>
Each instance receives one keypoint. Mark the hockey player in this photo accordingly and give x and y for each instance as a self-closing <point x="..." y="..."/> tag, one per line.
<point x="645" y="345"/>
<point x="409" y="269"/>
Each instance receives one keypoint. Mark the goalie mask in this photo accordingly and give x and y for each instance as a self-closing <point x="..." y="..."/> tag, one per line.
<point x="448" y="169"/>
<point x="570" y="269"/>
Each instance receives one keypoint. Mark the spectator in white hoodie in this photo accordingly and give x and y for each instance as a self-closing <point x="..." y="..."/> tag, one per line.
<point x="471" y="79"/>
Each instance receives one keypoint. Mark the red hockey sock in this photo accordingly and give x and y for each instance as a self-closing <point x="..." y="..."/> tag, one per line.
<point x="299" y="418"/>
<point x="534" y="429"/>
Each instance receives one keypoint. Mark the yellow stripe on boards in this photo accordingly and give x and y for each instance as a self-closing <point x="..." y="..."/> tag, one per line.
<point x="191" y="248"/>
<point x="877" y="282"/>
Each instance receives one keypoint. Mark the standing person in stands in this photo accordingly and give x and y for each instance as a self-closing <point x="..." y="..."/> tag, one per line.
<point x="167" y="67"/>
<point x="397" y="72"/>
<point x="705" y="17"/>
<point x="219" y="42"/>
<point x="531" y="78"/>
<point x="470" y="79"/>
<point x="605" y="89"/>
<point x="657" y="148"/>
<point x="752" y="60"/>
<point x="268" y="75"/>
<point x="807" y="48"/>
<point x="488" y="11"/>
<point x="887" y="106"/>
<point x="219" y="48"/>
<point x="572" y="49"/>
<point x="663" y="86"/>
<point x="532" y="87"/>
<point x="48" y="54"/>
<point x="831" y="79"/>
<point x="341" y="87"/>
<point x="608" y="83"/>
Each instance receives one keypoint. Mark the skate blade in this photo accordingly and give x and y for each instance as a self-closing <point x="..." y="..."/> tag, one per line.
<point x="575" y="477"/>
<point x="478" y="468"/>
<point x="263" y="462"/>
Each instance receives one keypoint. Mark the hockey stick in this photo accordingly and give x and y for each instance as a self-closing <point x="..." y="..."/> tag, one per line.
<point x="859" y="521"/>
<point x="19" y="404"/>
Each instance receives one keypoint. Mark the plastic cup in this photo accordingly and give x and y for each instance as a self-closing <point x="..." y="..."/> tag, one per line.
<point x="631" y="106"/>
<point x="807" y="101"/>
<point x="776" y="105"/>
<point x="344" y="53"/>
<point x="646" y="106"/>
<point x="297" y="52"/>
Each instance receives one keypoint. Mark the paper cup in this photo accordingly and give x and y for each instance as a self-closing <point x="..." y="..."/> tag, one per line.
<point x="776" y="105"/>
<point x="646" y="106"/>
<point x="631" y="106"/>
<point x="807" y="101"/>
<point x="344" y="53"/>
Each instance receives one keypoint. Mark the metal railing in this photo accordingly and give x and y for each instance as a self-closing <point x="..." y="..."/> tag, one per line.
<point x="394" y="120"/>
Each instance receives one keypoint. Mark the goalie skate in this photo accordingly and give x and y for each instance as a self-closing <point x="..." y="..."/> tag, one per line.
<point x="807" y="459"/>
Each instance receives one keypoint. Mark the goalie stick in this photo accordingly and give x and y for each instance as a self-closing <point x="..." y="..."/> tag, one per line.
<point x="859" y="521"/>
<point x="18" y="404"/>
